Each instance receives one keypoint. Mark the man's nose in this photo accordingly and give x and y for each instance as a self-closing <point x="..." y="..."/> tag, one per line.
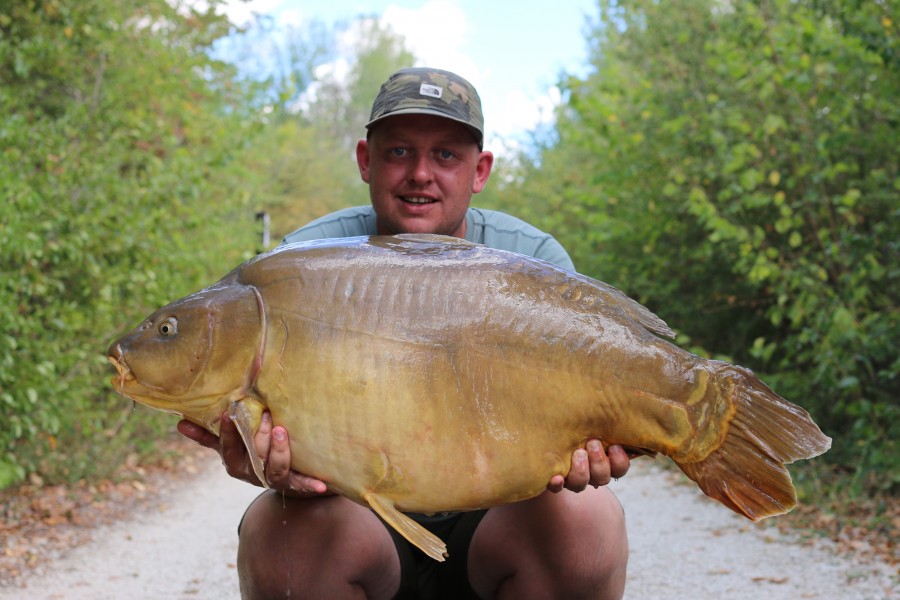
<point x="421" y="170"/>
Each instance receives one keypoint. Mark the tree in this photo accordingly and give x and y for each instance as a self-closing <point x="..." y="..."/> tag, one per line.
<point x="734" y="165"/>
<point x="118" y="194"/>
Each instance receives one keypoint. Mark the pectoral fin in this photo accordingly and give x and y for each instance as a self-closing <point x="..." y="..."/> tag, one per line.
<point x="417" y="535"/>
<point x="247" y="415"/>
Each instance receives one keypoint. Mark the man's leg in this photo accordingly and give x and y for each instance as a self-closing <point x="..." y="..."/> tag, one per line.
<point x="325" y="547"/>
<point x="563" y="545"/>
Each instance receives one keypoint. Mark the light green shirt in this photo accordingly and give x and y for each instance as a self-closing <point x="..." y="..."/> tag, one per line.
<point x="489" y="227"/>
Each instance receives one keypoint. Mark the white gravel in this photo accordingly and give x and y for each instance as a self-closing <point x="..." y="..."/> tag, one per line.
<point x="181" y="546"/>
<point x="683" y="546"/>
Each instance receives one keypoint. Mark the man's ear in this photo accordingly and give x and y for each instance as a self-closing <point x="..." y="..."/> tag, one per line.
<point x="482" y="171"/>
<point x="362" y="159"/>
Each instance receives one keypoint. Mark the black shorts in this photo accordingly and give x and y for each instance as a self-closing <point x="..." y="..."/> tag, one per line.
<point x="422" y="577"/>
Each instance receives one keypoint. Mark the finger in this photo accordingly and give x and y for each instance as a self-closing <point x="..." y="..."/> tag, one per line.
<point x="306" y="486"/>
<point x="579" y="474"/>
<point x="198" y="434"/>
<point x="557" y="484"/>
<point x="599" y="463"/>
<point x="278" y="467"/>
<point x="618" y="460"/>
<point x="279" y="473"/>
<point x="262" y="441"/>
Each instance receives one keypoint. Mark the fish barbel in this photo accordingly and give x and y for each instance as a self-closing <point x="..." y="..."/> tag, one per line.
<point x="420" y="373"/>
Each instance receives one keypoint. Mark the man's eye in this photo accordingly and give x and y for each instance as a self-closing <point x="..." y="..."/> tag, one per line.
<point x="446" y="155"/>
<point x="398" y="151"/>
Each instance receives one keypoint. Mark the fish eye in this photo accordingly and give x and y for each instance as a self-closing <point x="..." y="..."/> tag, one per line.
<point x="168" y="327"/>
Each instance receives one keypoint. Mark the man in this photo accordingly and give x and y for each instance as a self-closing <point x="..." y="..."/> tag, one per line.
<point x="423" y="160"/>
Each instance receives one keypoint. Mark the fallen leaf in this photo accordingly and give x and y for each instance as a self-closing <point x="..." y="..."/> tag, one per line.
<point x="776" y="580"/>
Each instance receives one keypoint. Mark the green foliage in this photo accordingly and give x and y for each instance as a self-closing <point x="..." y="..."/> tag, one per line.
<point x="118" y="137"/>
<point x="735" y="166"/>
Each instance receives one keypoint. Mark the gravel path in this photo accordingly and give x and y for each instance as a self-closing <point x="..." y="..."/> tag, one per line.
<point x="181" y="546"/>
<point x="682" y="546"/>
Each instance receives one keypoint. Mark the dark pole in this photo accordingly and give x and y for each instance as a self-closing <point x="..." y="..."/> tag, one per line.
<point x="264" y="217"/>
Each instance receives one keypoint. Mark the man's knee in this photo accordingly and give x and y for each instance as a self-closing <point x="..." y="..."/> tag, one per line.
<point x="594" y="553"/>
<point x="329" y="543"/>
<point x="566" y="546"/>
<point x="610" y="553"/>
<point x="270" y="549"/>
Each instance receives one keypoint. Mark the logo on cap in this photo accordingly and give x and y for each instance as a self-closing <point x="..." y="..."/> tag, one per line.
<point x="434" y="91"/>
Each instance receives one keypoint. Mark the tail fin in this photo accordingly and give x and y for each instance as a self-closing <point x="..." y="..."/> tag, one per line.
<point x="746" y="472"/>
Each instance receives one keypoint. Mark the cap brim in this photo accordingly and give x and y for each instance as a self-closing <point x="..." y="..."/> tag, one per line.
<point x="479" y="136"/>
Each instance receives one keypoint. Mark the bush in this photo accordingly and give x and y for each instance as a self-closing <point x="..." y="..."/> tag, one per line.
<point x="115" y="199"/>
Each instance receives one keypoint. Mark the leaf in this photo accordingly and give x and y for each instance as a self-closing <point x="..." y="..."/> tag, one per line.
<point x="10" y="474"/>
<point x="773" y="124"/>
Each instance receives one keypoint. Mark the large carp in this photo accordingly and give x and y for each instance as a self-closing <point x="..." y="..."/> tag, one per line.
<point x="424" y="373"/>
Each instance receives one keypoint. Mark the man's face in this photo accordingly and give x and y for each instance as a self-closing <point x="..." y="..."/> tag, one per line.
<point x="422" y="171"/>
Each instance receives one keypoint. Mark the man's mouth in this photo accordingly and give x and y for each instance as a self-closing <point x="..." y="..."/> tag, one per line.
<point x="417" y="199"/>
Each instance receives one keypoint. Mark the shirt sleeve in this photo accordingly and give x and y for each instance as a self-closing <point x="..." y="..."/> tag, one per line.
<point x="505" y="232"/>
<point x="553" y="252"/>
<point x="350" y="222"/>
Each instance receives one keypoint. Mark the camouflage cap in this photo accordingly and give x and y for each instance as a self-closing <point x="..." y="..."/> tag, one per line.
<point x="430" y="92"/>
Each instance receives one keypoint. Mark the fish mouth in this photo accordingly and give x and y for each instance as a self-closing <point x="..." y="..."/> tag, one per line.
<point x="124" y="374"/>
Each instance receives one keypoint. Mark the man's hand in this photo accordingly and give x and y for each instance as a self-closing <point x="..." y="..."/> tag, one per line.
<point x="271" y="445"/>
<point x="592" y="466"/>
